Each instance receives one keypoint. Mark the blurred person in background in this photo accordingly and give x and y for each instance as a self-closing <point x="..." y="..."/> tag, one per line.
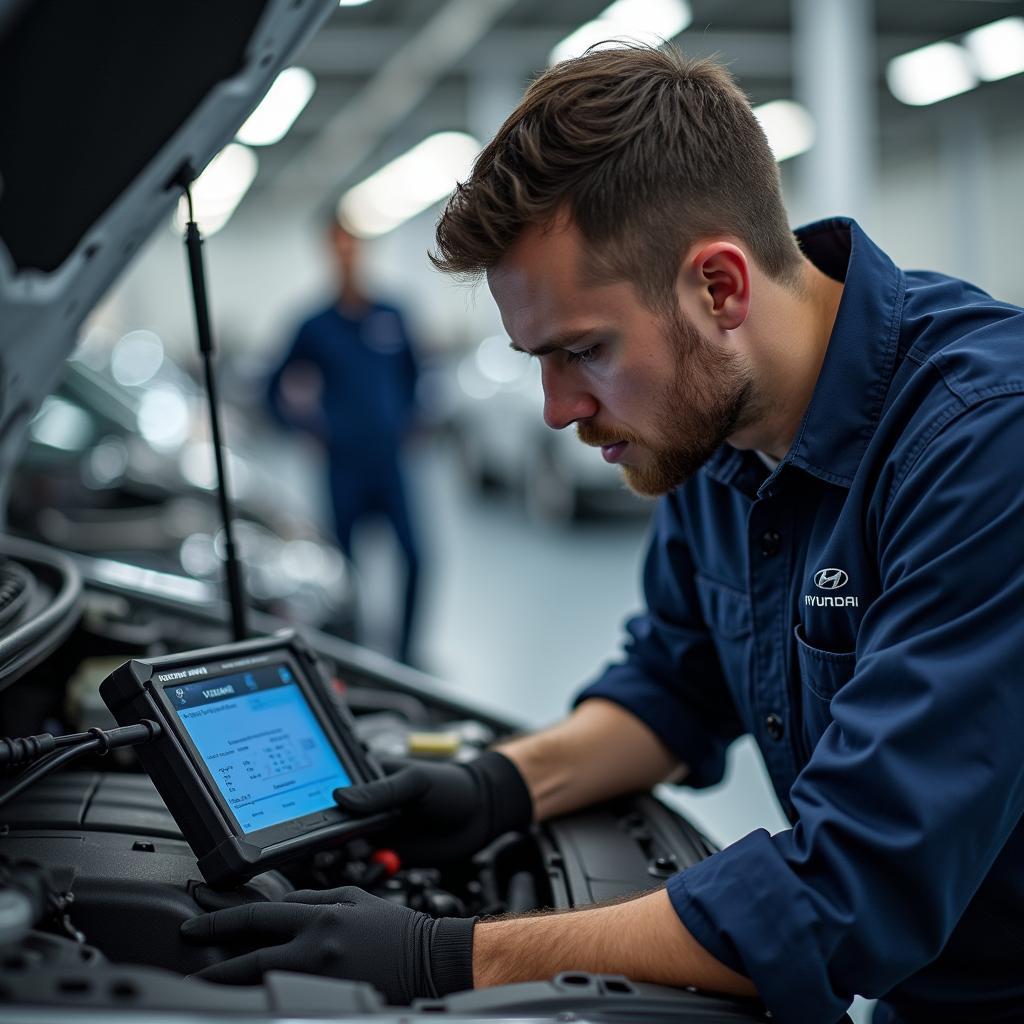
<point x="349" y="379"/>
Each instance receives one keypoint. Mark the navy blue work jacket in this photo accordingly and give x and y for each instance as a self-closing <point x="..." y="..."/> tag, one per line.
<point x="368" y="375"/>
<point x="860" y="611"/>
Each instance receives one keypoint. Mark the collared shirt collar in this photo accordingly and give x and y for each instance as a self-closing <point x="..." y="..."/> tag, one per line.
<point x="848" y="398"/>
<point x="861" y="358"/>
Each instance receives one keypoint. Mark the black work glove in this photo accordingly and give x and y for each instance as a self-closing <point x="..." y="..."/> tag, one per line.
<point x="448" y="811"/>
<point x="342" y="933"/>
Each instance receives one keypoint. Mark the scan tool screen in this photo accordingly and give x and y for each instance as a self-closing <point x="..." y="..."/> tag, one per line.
<point x="262" y="744"/>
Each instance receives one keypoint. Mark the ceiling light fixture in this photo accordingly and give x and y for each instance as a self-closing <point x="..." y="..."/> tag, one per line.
<point x="409" y="184"/>
<point x="997" y="49"/>
<point x="789" y="127"/>
<point x="930" y="74"/>
<point x="285" y="100"/>
<point x="644" y="21"/>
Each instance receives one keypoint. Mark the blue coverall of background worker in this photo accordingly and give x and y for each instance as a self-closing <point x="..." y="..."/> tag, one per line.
<point x="355" y="357"/>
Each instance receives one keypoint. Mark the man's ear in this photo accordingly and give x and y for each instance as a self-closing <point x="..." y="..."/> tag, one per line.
<point x="720" y="273"/>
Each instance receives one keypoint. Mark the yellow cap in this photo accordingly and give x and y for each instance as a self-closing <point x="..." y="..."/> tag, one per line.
<point x="434" y="744"/>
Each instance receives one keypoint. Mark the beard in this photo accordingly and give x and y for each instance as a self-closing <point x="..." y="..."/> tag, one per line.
<point x="708" y="397"/>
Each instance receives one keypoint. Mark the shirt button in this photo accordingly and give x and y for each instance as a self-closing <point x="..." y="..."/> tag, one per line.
<point x="773" y="723"/>
<point x="771" y="541"/>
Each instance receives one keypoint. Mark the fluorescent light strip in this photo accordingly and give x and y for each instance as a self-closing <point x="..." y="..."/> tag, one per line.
<point x="930" y="74"/>
<point x="409" y="184"/>
<point x="285" y="100"/>
<point x="997" y="49"/>
<point x="645" y="21"/>
<point x="219" y="189"/>
<point x="945" y="69"/>
<point x="789" y="127"/>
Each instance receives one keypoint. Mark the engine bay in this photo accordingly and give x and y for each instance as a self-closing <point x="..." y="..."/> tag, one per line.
<point x="113" y="878"/>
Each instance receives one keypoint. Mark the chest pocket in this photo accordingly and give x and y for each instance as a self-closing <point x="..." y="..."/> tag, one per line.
<point x="726" y="612"/>
<point x="822" y="675"/>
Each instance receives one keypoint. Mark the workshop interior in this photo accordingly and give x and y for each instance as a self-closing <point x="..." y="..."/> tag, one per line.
<point x="170" y="569"/>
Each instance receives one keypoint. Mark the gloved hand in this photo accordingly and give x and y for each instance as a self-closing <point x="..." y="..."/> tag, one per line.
<point x="449" y="811"/>
<point x="342" y="933"/>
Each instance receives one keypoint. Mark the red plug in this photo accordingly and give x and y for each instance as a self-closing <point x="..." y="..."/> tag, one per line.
<point x="388" y="860"/>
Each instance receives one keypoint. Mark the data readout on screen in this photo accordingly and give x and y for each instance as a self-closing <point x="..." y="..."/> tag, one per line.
<point x="261" y="742"/>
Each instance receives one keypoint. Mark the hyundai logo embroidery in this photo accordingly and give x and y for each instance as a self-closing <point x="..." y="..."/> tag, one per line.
<point x="830" y="579"/>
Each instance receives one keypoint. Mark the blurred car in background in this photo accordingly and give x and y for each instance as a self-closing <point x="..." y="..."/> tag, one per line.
<point x="495" y="403"/>
<point x="119" y="465"/>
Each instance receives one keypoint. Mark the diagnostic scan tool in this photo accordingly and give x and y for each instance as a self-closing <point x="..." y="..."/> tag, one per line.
<point x="252" y="747"/>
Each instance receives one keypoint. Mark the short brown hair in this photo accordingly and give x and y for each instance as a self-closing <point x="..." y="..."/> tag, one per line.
<point x="647" y="149"/>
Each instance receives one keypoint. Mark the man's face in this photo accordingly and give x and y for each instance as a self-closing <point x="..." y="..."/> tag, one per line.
<point x="648" y="387"/>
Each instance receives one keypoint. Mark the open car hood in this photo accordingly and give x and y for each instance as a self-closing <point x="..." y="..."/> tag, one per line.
<point x="105" y="106"/>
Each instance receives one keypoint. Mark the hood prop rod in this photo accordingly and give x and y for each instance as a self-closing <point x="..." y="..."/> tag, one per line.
<point x="232" y="567"/>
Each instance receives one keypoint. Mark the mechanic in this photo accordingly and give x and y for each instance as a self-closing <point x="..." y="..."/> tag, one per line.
<point x="349" y="378"/>
<point x="835" y="568"/>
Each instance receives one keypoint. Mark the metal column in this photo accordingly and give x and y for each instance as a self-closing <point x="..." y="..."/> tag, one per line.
<point x="835" y="72"/>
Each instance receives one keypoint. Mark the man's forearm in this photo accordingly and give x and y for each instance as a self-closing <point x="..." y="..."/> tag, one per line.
<point x="642" y="938"/>
<point x="599" y="752"/>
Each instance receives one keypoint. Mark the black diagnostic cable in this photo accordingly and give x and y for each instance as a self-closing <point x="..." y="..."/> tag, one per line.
<point x="51" y="752"/>
<point x="23" y="749"/>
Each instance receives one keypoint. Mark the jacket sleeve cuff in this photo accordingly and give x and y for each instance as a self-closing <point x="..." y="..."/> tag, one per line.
<point x="451" y="955"/>
<point x="746" y="908"/>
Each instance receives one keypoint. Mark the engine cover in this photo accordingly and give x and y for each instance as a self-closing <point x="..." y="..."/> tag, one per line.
<point x="109" y="842"/>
